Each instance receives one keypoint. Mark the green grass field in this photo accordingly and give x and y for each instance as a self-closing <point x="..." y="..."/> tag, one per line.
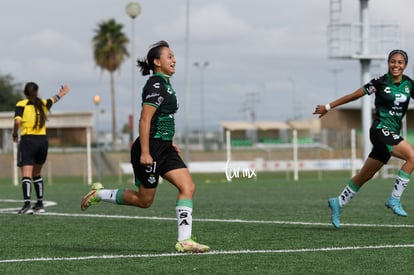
<point x="267" y="225"/>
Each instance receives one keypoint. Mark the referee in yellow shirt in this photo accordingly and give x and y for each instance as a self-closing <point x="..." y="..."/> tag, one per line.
<point x="30" y="118"/>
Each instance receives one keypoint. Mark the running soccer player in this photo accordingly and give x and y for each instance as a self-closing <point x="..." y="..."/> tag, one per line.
<point x="30" y="117"/>
<point x="153" y="154"/>
<point x="392" y="93"/>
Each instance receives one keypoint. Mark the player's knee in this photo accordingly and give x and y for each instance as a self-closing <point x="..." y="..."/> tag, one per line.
<point x="410" y="160"/>
<point x="145" y="203"/>
<point x="189" y="189"/>
<point x="192" y="187"/>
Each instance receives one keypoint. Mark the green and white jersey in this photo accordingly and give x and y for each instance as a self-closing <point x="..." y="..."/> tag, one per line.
<point x="158" y="92"/>
<point x="391" y="101"/>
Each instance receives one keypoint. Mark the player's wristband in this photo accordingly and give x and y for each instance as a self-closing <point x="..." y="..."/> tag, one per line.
<point x="327" y="107"/>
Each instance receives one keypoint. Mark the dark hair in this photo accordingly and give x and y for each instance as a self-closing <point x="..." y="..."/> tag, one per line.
<point x="147" y="64"/>
<point x="403" y="53"/>
<point x="31" y="91"/>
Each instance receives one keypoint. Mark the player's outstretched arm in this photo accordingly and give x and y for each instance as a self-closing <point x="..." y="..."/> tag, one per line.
<point x="321" y="110"/>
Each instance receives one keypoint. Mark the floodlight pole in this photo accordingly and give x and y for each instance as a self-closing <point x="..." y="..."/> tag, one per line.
<point x="365" y="76"/>
<point x="97" y="101"/>
<point x="202" y="67"/>
<point x="133" y="10"/>
<point x="187" y="88"/>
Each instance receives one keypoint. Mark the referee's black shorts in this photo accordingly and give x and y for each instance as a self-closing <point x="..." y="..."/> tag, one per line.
<point x="32" y="150"/>
<point x="382" y="141"/>
<point x="165" y="157"/>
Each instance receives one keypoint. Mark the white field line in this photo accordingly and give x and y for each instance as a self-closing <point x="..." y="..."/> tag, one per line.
<point x="15" y="209"/>
<point x="230" y="252"/>
<point x="227" y="220"/>
<point x="50" y="203"/>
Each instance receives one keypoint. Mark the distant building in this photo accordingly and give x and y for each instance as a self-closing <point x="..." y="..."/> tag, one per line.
<point x="63" y="129"/>
<point x="344" y="118"/>
<point x="271" y="132"/>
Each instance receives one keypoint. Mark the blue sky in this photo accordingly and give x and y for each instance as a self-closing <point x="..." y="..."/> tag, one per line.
<point x="266" y="56"/>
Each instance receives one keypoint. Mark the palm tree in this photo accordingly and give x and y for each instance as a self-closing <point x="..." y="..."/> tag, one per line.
<point x="109" y="51"/>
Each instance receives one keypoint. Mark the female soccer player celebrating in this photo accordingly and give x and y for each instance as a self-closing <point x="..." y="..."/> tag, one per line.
<point x="153" y="153"/>
<point x="392" y="95"/>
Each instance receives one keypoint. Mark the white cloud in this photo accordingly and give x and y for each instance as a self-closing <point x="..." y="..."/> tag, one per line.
<point x="54" y="45"/>
<point x="215" y="23"/>
<point x="8" y="65"/>
<point x="53" y="68"/>
<point x="252" y="46"/>
<point x="211" y="22"/>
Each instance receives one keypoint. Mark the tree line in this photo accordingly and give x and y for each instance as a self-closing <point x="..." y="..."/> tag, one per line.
<point x="10" y="93"/>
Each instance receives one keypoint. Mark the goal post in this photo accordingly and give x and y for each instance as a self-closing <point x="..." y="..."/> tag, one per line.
<point x="228" y="150"/>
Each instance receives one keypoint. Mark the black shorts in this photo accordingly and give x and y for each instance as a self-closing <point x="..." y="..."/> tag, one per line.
<point x="165" y="157"/>
<point x="382" y="141"/>
<point x="32" y="150"/>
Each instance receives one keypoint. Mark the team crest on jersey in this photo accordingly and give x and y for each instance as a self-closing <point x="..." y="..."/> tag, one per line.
<point x="407" y="90"/>
<point x="371" y="89"/>
<point x="169" y="90"/>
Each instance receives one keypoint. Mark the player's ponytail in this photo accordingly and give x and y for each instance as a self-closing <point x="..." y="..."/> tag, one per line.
<point x="144" y="66"/>
<point x="31" y="91"/>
